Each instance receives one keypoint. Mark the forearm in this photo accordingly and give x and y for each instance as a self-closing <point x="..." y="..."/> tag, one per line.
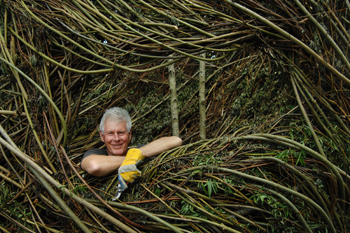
<point x="160" y="145"/>
<point x="101" y="165"/>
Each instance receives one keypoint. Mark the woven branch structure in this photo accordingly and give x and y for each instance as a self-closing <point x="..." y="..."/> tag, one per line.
<point x="259" y="93"/>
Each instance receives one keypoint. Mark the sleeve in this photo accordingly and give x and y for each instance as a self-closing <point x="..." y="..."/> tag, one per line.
<point x="95" y="151"/>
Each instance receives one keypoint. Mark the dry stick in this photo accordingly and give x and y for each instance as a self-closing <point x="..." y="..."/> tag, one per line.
<point x="8" y="161"/>
<point x="132" y="10"/>
<point x="226" y="139"/>
<point x="45" y="74"/>
<point x="292" y="38"/>
<point x="63" y="122"/>
<point x="169" y="207"/>
<point x="59" y="200"/>
<point x="165" y="99"/>
<point x="273" y="184"/>
<point x="101" y="16"/>
<point x="10" y="60"/>
<point x="324" y="33"/>
<point x="237" y="215"/>
<point x="11" y="146"/>
<point x="2" y="213"/>
<point x="166" y="45"/>
<point x="22" y="189"/>
<point x="11" y="181"/>
<point x="58" y="155"/>
<point x="168" y="15"/>
<point x="5" y="27"/>
<point x="88" y="71"/>
<point x="323" y="100"/>
<point x="159" y="24"/>
<point x="202" y="113"/>
<point x="338" y="23"/>
<point x="335" y="169"/>
<point x="38" y="141"/>
<point x="237" y="192"/>
<point x="96" y="220"/>
<point x="219" y="214"/>
<point x="76" y="53"/>
<point x="150" y="215"/>
<point x="98" y="196"/>
<point x="343" y="35"/>
<point x="113" y="65"/>
<point x="316" y="155"/>
<point x="331" y="132"/>
<point x="291" y="205"/>
<point x="307" y="179"/>
<point x="221" y="220"/>
<point x="318" y="109"/>
<point x="334" y="136"/>
<point x="347" y="4"/>
<point x="83" y="9"/>
<point x="173" y="100"/>
<point x="302" y="109"/>
<point x="35" y="223"/>
<point x="191" y="12"/>
<point x="36" y="212"/>
<point x="1" y="228"/>
<point x="147" y="29"/>
<point x="340" y="121"/>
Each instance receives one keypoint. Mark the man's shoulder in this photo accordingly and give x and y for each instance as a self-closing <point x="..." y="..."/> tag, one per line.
<point x="94" y="151"/>
<point x="97" y="151"/>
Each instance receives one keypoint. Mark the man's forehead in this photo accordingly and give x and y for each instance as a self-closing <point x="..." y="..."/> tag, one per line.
<point x="115" y="120"/>
<point x="112" y="124"/>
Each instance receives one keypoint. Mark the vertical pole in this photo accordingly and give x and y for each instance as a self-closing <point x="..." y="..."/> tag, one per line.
<point x="173" y="100"/>
<point x="202" y="114"/>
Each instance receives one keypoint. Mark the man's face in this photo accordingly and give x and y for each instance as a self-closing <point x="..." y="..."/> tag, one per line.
<point x="115" y="137"/>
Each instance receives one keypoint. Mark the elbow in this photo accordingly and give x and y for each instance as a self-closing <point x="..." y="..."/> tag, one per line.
<point x="177" y="141"/>
<point x="92" y="168"/>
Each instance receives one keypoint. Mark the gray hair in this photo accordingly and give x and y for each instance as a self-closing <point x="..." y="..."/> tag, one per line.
<point x="117" y="114"/>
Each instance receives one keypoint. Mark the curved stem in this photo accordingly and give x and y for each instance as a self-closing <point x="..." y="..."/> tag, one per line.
<point x="308" y="180"/>
<point x="324" y="32"/>
<point x="292" y="38"/>
<point x="59" y="200"/>
<point x="63" y="122"/>
<point x="55" y="183"/>
<point x="318" y="156"/>
<point x="290" y="204"/>
<point x="38" y="141"/>
<point x="302" y="109"/>
<point x="273" y="184"/>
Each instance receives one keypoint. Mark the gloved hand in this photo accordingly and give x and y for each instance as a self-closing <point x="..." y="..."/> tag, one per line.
<point x="128" y="171"/>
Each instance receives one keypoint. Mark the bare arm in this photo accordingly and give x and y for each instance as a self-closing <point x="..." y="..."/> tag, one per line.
<point x="160" y="145"/>
<point x="102" y="165"/>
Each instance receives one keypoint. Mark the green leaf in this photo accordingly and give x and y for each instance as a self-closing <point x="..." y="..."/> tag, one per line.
<point x="210" y="187"/>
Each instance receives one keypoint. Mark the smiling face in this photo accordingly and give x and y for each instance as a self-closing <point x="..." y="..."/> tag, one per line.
<point x="116" y="137"/>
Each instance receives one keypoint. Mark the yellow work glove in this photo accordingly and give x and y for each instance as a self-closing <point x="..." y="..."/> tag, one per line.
<point x="128" y="170"/>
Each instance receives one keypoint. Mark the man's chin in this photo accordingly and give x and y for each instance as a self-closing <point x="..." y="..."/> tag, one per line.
<point x="117" y="152"/>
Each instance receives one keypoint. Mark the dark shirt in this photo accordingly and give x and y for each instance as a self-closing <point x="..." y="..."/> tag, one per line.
<point x="94" y="151"/>
<point x="97" y="151"/>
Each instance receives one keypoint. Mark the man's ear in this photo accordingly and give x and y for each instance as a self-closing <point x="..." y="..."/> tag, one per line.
<point x="101" y="136"/>
<point x="130" y="135"/>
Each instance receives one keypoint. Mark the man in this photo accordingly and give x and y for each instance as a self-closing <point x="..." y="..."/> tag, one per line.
<point x="115" y="132"/>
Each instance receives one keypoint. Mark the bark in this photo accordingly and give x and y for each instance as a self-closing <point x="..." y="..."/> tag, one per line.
<point x="202" y="114"/>
<point x="173" y="100"/>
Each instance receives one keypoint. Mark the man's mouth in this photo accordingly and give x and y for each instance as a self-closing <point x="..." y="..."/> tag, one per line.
<point x="116" y="146"/>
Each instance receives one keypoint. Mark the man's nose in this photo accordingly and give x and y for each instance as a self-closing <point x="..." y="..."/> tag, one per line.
<point x="116" y="137"/>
